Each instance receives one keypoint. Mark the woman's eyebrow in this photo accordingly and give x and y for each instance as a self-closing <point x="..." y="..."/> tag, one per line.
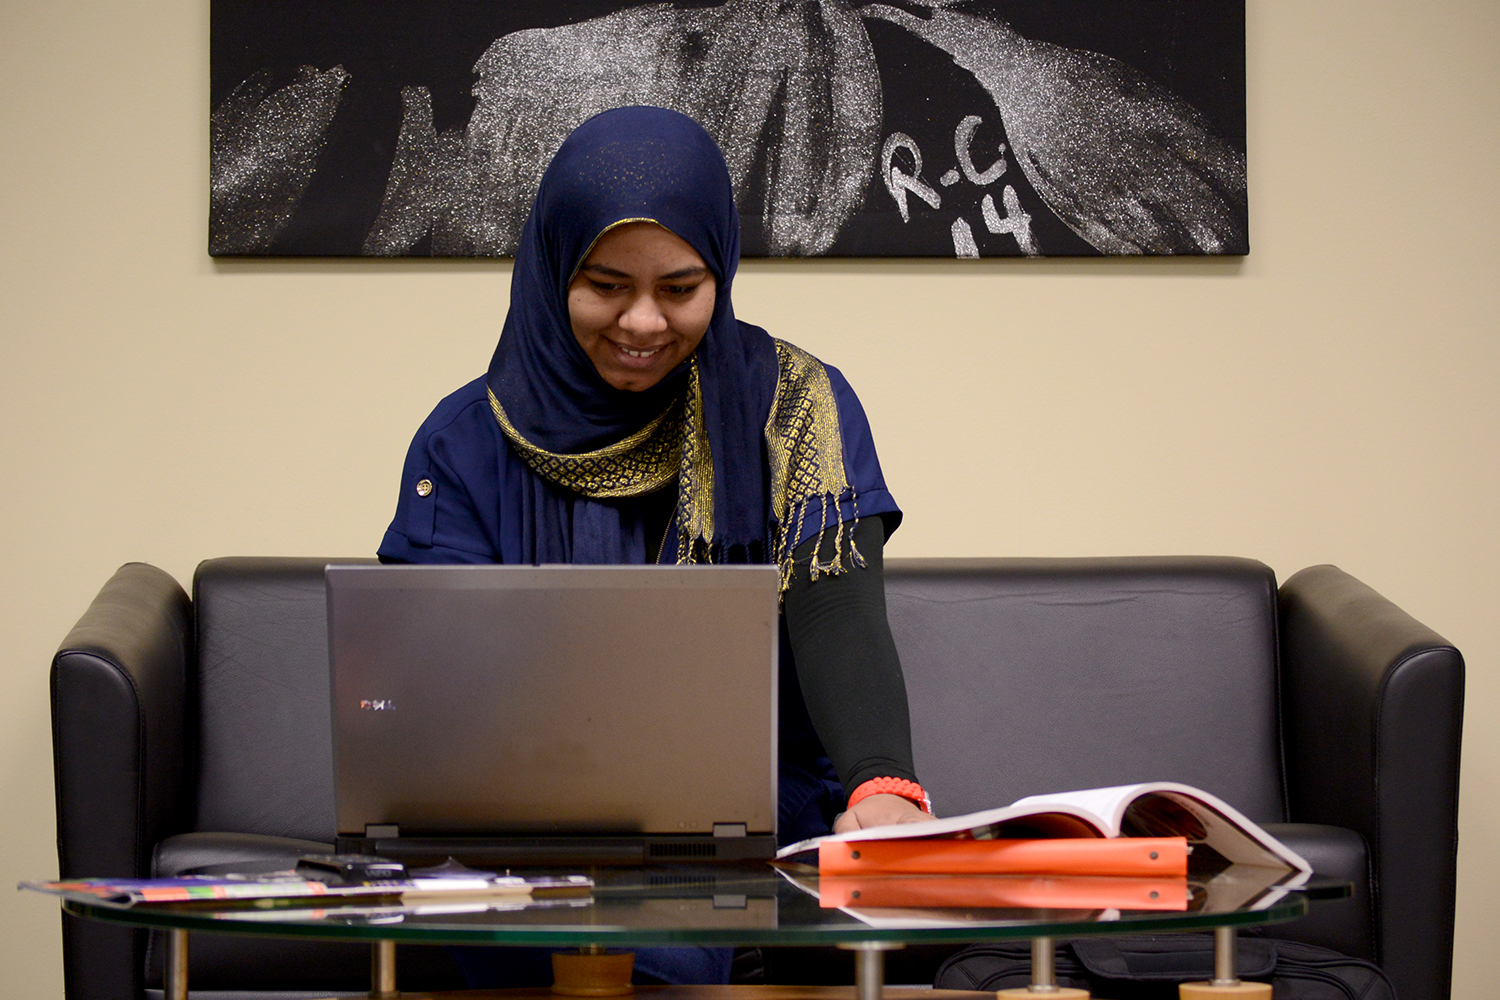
<point x="607" y="271"/>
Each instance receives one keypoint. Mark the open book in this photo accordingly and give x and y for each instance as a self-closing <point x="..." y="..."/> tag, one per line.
<point x="1210" y="827"/>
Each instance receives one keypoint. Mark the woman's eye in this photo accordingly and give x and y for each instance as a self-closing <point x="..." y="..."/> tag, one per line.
<point x="679" y="290"/>
<point x="605" y="286"/>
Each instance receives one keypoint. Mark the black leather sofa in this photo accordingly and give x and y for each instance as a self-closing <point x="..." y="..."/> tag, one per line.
<point x="188" y="732"/>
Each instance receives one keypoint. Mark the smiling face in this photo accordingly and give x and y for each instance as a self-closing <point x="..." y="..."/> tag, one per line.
<point x="640" y="304"/>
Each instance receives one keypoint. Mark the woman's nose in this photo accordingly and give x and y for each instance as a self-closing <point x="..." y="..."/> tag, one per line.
<point x="643" y="316"/>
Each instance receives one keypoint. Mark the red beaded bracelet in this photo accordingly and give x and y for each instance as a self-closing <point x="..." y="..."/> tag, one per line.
<point x="892" y="786"/>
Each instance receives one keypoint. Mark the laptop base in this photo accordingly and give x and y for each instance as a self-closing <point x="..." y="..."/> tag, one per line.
<point x="550" y="852"/>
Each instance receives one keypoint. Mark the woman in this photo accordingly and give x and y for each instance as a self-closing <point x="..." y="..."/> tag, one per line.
<point x="629" y="417"/>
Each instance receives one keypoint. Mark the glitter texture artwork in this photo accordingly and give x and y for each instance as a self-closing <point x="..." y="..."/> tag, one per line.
<point x="958" y="128"/>
<point x="264" y="151"/>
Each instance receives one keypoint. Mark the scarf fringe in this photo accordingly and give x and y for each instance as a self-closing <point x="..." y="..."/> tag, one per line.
<point x="846" y="555"/>
<point x="785" y="531"/>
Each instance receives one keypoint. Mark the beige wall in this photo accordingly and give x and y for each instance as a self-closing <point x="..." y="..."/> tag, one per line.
<point x="1330" y="398"/>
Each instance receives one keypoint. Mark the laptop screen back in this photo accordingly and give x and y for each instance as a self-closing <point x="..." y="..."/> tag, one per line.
<point x="555" y="700"/>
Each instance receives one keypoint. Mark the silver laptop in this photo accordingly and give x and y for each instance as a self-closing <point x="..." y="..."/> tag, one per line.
<point x="554" y="714"/>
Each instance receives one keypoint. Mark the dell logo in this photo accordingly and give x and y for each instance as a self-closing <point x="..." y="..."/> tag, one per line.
<point x="377" y="705"/>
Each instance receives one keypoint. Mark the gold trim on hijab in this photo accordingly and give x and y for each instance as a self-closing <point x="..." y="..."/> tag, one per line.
<point x="804" y="448"/>
<point x="633" y="466"/>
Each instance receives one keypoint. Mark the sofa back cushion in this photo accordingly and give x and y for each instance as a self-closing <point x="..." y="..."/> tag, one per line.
<point x="264" y="736"/>
<point x="1024" y="676"/>
<point x="1040" y="675"/>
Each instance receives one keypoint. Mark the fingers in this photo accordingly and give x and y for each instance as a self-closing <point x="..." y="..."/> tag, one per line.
<point x="846" y="822"/>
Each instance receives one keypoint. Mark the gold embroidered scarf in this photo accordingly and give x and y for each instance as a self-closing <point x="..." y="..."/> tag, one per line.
<point x="803" y="445"/>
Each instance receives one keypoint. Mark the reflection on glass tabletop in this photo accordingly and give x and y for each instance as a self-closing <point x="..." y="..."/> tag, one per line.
<point x="754" y="904"/>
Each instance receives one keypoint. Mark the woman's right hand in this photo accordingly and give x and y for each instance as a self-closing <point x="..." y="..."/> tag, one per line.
<point x="879" y="810"/>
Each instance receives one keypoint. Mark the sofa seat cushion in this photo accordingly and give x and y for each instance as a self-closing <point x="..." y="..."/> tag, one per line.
<point x="1345" y="925"/>
<point x="249" y="853"/>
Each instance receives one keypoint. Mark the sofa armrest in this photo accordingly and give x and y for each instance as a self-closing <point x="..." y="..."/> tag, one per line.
<point x="119" y="693"/>
<point x="1372" y="710"/>
<point x="119" y="707"/>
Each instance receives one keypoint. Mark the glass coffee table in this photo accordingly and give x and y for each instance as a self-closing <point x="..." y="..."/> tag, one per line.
<point x="755" y="905"/>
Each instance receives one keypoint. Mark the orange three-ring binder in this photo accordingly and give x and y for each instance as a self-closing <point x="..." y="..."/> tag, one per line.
<point x="1138" y="856"/>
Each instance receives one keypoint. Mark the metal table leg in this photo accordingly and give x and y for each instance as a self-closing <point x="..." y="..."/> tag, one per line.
<point x="869" y="967"/>
<point x="175" y="973"/>
<point x="1226" y="983"/>
<point x="383" y="969"/>
<point x="1043" y="976"/>
<point x="1226" y="957"/>
<point x="1043" y="965"/>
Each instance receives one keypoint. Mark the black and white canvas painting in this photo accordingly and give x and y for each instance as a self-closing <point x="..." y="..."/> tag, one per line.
<point x="968" y="128"/>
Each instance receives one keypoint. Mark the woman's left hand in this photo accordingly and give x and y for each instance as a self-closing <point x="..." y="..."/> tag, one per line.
<point x="879" y="810"/>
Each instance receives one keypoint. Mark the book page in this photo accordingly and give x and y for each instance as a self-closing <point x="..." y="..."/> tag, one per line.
<point x="1220" y="826"/>
<point x="1007" y="823"/>
<point x="1170" y="809"/>
<point x="1109" y="804"/>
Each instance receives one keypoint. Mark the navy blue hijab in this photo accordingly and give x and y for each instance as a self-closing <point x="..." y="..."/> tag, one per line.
<point x="628" y="164"/>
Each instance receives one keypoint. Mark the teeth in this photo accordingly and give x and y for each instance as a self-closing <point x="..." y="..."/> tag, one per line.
<point x="640" y="354"/>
